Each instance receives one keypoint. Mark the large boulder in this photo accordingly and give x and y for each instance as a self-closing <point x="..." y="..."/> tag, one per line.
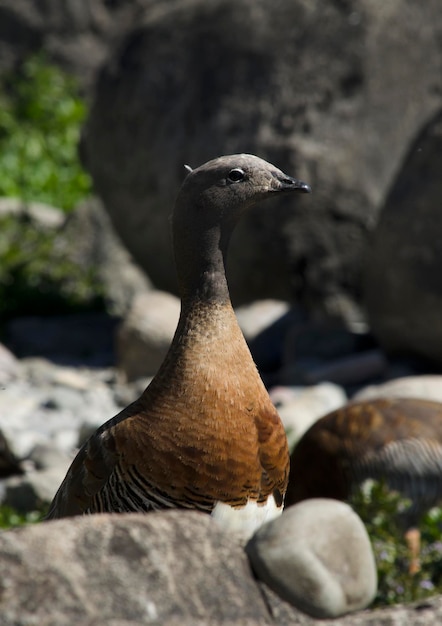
<point x="144" y="336"/>
<point x="161" y="568"/>
<point x="404" y="283"/>
<point x="174" y="568"/>
<point x="317" y="88"/>
<point x="77" y="34"/>
<point x="89" y="240"/>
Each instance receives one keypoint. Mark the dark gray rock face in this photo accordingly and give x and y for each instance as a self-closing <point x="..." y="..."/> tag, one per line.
<point x="321" y="90"/>
<point x="330" y="91"/>
<point x="77" y="34"/>
<point x="90" y="241"/>
<point x="404" y="282"/>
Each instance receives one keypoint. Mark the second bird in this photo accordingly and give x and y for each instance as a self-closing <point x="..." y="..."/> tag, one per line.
<point x="396" y="440"/>
<point x="204" y="434"/>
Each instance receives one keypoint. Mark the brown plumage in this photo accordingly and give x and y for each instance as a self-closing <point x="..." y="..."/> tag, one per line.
<point x="398" y="441"/>
<point x="204" y="434"/>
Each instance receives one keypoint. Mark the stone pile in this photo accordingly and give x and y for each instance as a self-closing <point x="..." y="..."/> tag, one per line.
<point x="242" y="77"/>
<point x="48" y="409"/>
<point x="172" y="568"/>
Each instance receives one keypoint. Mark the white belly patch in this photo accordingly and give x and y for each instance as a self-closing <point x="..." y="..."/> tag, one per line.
<point x="246" y="520"/>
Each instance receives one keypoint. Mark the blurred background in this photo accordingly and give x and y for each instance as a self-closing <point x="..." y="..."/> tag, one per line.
<point x="339" y="293"/>
<point x="109" y="99"/>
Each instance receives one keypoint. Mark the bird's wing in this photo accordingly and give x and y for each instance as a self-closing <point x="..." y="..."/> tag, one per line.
<point x="273" y="453"/>
<point x="90" y="470"/>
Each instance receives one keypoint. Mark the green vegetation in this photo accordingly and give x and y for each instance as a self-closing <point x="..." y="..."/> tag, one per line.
<point x="36" y="275"/>
<point x="40" y="120"/>
<point x="378" y="508"/>
<point x="10" y="518"/>
<point x="41" y="114"/>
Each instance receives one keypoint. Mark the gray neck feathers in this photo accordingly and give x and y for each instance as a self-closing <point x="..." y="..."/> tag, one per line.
<point x="201" y="240"/>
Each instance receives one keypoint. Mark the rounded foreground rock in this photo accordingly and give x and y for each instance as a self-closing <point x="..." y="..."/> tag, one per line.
<point x="318" y="557"/>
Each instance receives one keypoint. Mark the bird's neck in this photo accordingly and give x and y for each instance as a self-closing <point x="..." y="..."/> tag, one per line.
<point x="206" y="286"/>
<point x="208" y="354"/>
<point x="208" y="347"/>
<point x="201" y="266"/>
<point x="207" y="318"/>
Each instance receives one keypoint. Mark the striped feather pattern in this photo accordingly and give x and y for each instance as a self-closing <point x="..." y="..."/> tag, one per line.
<point x="131" y="492"/>
<point x="398" y="441"/>
<point x="412" y="467"/>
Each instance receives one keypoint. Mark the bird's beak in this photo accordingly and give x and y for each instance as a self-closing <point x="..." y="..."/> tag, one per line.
<point x="287" y="183"/>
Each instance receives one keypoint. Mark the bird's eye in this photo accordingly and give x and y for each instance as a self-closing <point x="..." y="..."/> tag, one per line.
<point x="236" y="175"/>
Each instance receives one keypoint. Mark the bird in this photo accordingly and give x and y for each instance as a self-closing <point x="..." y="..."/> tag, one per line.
<point x="394" y="440"/>
<point x="204" y="434"/>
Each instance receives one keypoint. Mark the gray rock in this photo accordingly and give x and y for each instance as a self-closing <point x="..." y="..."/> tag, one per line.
<point x="265" y="78"/>
<point x="426" y="386"/>
<point x="318" y="556"/>
<point x="87" y="239"/>
<point x="325" y="339"/>
<point x="403" y="289"/>
<point x="91" y="241"/>
<point x="145" y="335"/>
<point x="19" y="406"/>
<point x="351" y="370"/>
<point x="175" y="568"/>
<point x="9" y="366"/>
<point x="35" y="489"/>
<point x="91" y="407"/>
<point x="426" y="613"/>
<point x="75" y="34"/>
<point x="140" y="568"/>
<point x="43" y="216"/>
<point x="256" y="317"/>
<point x="46" y="456"/>
<point x="59" y="398"/>
<point x="42" y="372"/>
<point x="300" y="407"/>
<point x="49" y="405"/>
<point x="124" y="392"/>
<point x="72" y="378"/>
